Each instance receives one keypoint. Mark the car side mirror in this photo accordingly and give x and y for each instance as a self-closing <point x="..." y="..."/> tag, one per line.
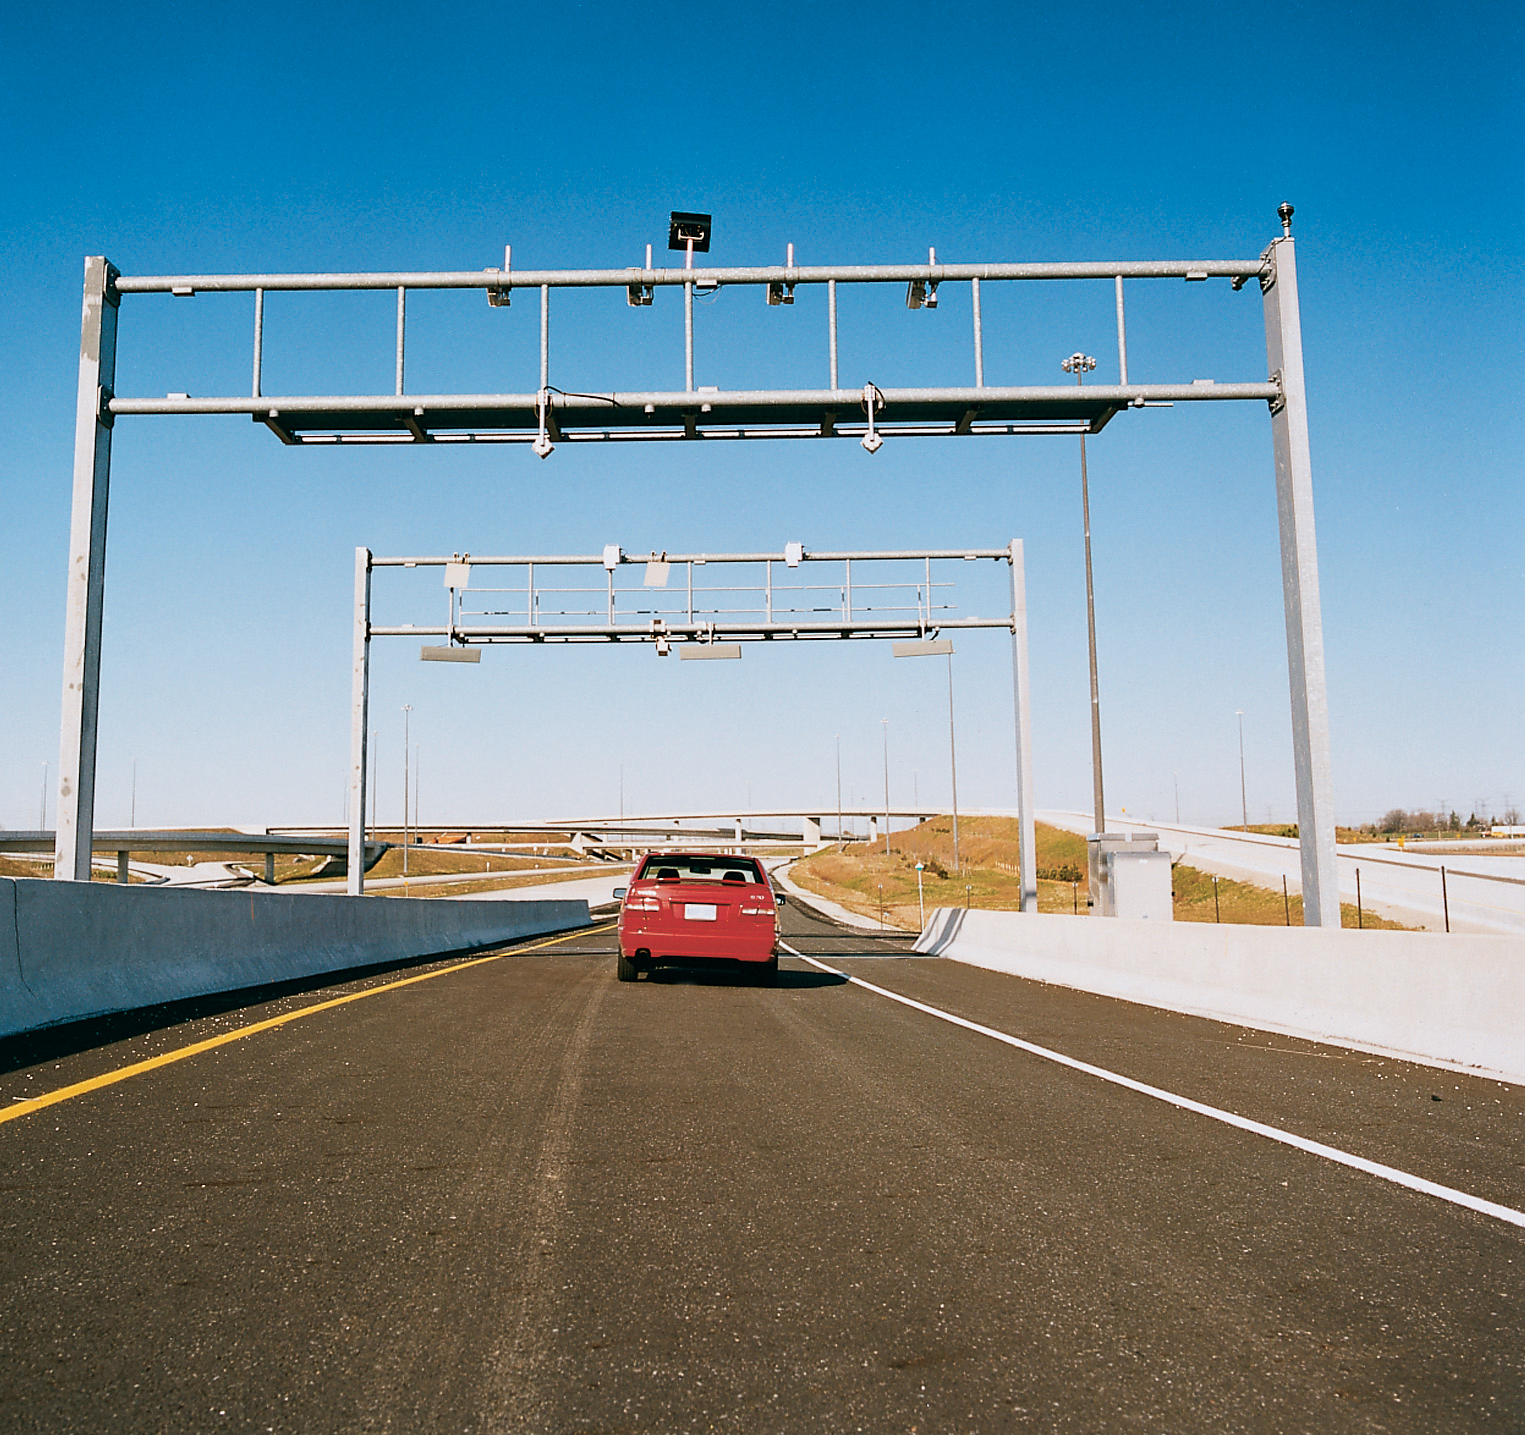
<point x="780" y="898"/>
<point x="619" y="893"/>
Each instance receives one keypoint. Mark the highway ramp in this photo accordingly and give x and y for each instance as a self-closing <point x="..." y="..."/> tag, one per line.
<point x="515" y="1195"/>
<point x="1479" y="893"/>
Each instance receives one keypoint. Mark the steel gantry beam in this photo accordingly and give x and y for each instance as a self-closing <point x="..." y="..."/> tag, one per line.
<point x="707" y="620"/>
<point x="551" y="414"/>
<point x="545" y="415"/>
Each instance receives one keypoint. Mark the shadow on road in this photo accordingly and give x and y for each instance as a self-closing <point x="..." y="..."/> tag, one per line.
<point x="699" y="976"/>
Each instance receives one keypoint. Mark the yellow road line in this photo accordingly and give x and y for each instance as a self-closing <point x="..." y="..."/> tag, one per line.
<point x="110" y="1078"/>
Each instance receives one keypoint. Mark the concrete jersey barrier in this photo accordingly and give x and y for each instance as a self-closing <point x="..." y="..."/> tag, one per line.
<point x="75" y="949"/>
<point x="1453" y="1001"/>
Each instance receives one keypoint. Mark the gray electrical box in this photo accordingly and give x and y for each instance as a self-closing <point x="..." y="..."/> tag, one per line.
<point x="1129" y="876"/>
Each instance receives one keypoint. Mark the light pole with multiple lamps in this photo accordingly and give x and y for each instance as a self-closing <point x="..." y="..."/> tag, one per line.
<point x="1079" y="365"/>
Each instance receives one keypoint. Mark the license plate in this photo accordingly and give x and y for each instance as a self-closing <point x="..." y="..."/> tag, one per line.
<point x="699" y="911"/>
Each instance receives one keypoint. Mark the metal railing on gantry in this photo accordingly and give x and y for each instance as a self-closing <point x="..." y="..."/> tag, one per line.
<point x="545" y="414"/>
<point x="793" y="595"/>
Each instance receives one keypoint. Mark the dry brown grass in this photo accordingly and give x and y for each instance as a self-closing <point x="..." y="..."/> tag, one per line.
<point x="24" y="867"/>
<point x="489" y="884"/>
<point x="865" y="881"/>
<point x="33" y="867"/>
<point x="860" y="879"/>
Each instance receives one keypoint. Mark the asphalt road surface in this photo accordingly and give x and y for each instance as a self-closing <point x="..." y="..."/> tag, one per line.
<point x="517" y="1195"/>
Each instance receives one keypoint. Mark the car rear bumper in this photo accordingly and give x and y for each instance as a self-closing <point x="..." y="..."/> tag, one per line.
<point x="686" y="946"/>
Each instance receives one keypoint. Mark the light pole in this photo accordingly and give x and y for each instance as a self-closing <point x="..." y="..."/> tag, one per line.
<point x="921" y="904"/>
<point x="839" y="793"/>
<point x="132" y="810"/>
<point x="886" y="722"/>
<point x="928" y="649"/>
<point x="1244" y="806"/>
<point x="1079" y="365"/>
<point x="42" y="821"/>
<point x="406" y="754"/>
<point x="953" y="762"/>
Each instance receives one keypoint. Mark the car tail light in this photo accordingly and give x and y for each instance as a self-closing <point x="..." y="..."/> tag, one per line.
<point x="642" y="904"/>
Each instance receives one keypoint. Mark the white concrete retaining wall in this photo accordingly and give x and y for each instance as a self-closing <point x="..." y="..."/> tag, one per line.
<point x="76" y="949"/>
<point x="1455" y="1001"/>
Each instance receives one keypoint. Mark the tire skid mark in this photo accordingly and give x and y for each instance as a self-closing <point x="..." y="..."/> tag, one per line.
<point x="515" y="1401"/>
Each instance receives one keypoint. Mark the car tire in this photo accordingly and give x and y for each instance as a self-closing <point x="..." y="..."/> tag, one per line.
<point x="627" y="971"/>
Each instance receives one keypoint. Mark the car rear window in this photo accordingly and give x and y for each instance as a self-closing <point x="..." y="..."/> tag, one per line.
<point x="676" y="867"/>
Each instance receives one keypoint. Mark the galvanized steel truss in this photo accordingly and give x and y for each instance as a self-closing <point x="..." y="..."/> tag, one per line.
<point x="693" y="618"/>
<point x="549" y="414"/>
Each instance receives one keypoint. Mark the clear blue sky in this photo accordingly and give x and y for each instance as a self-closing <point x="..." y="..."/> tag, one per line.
<point x="187" y="138"/>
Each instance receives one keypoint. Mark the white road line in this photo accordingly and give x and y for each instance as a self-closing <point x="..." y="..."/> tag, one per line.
<point x="1185" y="1103"/>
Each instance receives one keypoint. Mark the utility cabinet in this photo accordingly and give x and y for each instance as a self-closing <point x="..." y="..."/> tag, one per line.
<point x="1129" y="876"/>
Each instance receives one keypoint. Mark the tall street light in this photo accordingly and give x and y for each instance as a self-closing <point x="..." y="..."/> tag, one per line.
<point x="406" y="753"/>
<point x="953" y="762"/>
<point x="925" y="648"/>
<point x="839" y="792"/>
<point x="886" y="722"/>
<point x="1244" y="806"/>
<point x="1079" y="365"/>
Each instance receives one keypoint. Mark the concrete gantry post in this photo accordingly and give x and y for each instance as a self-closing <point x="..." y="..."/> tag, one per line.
<point x="360" y="700"/>
<point x="1022" y="702"/>
<point x="1312" y="760"/>
<point x="87" y="575"/>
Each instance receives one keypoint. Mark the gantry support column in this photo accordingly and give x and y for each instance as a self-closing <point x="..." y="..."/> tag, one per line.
<point x="1027" y="857"/>
<point x="360" y="707"/>
<point x="1299" y="584"/>
<point x="87" y="576"/>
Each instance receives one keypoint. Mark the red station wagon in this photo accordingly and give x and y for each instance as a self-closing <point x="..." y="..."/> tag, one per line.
<point x="699" y="909"/>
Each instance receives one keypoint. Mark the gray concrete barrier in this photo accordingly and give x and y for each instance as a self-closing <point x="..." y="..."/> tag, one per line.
<point x="1452" y="1001"/>
<point x="76" y="949"/>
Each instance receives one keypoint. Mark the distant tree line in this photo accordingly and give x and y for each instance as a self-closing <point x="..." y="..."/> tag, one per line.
<point x="1422" y="820"/>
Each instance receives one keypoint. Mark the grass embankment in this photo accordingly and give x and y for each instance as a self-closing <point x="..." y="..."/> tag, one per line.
<point x="1373" y="833"/>
<point x="425" y="859"/>
<point x="1242" y="903"/>
<point x="439" y="861"/>
<point x="546" y="875"/>
<point x="860" y="879"/>
<point x="24" y="867"/>
<point x="32" y="867"/>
